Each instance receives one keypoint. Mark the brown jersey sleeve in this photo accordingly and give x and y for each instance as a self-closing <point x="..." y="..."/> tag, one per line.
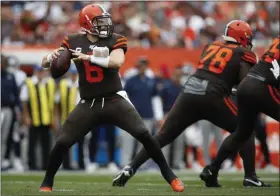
<point x="249" y="57"/>
<point x="120" y="41"/>
<point x="65" y="43"/>
<point x="69" y="40"/>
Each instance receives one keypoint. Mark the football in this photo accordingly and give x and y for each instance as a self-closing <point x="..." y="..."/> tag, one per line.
<point x="61" y="64"/>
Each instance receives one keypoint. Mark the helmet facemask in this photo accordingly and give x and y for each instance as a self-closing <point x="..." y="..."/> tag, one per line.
<point x="249" y="44"/>
<point x="103" y="26"/>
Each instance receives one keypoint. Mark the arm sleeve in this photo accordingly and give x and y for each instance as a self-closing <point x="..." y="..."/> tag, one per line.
<point x="120" y="42"/>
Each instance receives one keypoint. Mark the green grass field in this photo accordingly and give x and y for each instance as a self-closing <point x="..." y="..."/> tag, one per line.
<point x="78" y="183"/>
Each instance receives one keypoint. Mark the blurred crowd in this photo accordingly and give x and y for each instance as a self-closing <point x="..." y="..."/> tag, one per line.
<point x="33" y="109"/>
<point x="146" y="24"/>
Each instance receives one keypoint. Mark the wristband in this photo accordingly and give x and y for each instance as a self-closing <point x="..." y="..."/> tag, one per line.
<point x="101" y="61"/>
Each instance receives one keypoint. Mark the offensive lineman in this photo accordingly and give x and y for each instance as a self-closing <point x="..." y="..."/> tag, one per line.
<point x="258" y="92"/>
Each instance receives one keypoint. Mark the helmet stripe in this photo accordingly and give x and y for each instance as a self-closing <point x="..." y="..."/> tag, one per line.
<point x="226" y="30"/>
<point x="101" y="7"/>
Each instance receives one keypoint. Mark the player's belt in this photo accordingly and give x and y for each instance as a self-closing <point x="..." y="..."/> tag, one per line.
<point x="255" y="76"/>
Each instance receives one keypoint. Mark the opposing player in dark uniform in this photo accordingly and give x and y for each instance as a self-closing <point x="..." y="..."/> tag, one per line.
<point x="206" y="95"/>
<point x="258" y="92"/>
<point x="98" y="54"/>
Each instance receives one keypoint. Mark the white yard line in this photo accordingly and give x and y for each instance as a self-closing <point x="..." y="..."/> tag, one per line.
<point x="64" y="190"/>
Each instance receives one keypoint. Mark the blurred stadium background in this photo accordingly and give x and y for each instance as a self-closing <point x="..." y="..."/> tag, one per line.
<point x="167" y="34"/>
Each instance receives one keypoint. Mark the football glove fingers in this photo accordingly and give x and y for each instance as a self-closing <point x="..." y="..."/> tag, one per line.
<point x="54" y="54"/>
<point x="275" y="70"/>
<point x="80" y="55"/>
<point x="84" y="57"/>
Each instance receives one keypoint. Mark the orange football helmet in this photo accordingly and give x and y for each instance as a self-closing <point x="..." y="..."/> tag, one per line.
<point x="239" y="31"/>
<point x="95" y="20"/>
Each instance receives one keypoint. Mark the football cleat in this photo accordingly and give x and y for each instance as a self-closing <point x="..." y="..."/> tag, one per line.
<point x="254" y="182"/>
<point x="46" y="185"/>
<point x="45" y="189"/>
<point x="210" y="177"/>
<point x="125" y="174"/>
<point x="177" y="185"/>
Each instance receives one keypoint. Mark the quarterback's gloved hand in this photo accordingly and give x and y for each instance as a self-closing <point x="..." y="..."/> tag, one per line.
<point x="96" y="52"/>
<point x="275" y="70"/>
<point x="102" y="60"/>
<point x="54" y="55"/>
<point x="80" y="55"/>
